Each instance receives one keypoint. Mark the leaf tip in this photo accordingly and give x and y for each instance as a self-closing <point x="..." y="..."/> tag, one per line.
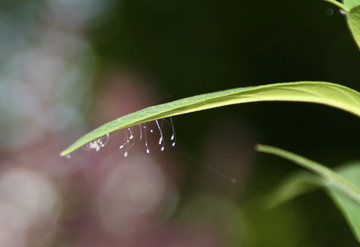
<point x="257" y="147"/>
<point x="64" y="153"/>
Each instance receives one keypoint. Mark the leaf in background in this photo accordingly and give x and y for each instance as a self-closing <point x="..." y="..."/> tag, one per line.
<point x="313" y="92"/>
<point x="294" y="185"/>
<point x="354" y="23"/>
<point x="343" y="186"/>
<point x="351" y="3"/>
<point x="348" y="207"/>
<point x="302" y="182"/>
<point x="352" y="8"/>
<point x="334" y="180"/>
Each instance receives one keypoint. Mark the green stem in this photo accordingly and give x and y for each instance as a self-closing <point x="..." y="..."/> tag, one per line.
<point x="340" y="5"/>
<point x="336" y="179"/>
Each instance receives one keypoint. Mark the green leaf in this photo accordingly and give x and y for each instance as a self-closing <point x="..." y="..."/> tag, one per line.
<point x="351" y="3"/>
<point x="303" y="182"/>
<point x="354" y="23"/>
<point x="340" y="5"/>
<point x="313" y="92"/>
<point x="352" y="8"/>
<point x="348" y="207"/>
<point x="334" y="180"/>
<point x="294" y="185"/>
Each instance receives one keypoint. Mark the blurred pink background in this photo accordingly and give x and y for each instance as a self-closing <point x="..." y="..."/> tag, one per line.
<point x="102" y="199"/>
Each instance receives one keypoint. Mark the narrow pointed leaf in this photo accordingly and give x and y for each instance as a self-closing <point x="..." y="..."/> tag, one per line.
<point x="313" y="92"/>
<point x="303" y="182"/>
<point x="334" y="180"/>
